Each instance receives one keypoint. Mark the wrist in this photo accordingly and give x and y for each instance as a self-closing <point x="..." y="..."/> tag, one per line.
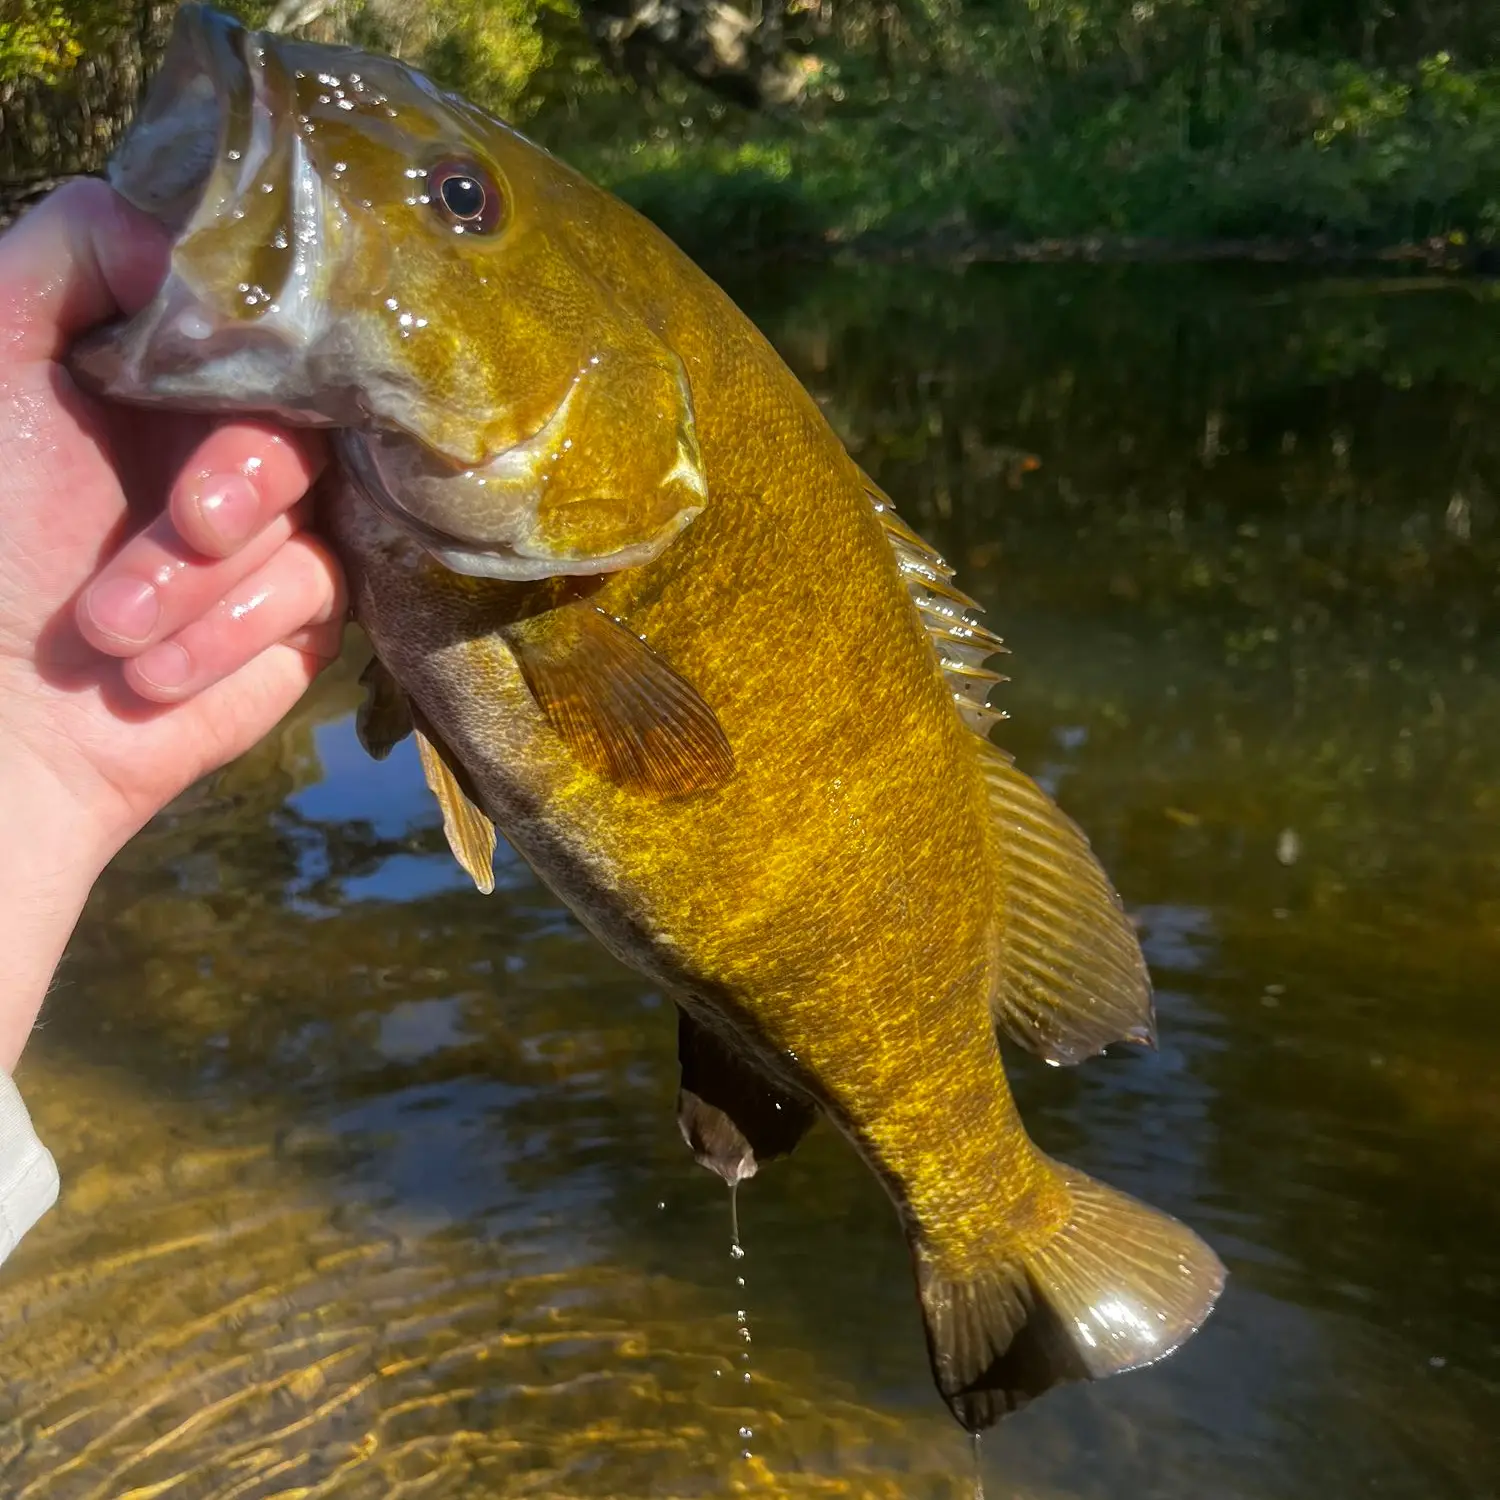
<point x="53" y="854"/>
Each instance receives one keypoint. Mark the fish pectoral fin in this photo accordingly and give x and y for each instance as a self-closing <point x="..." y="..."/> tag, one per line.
<point x="622" y="710"/>
<point x="732" y="1116"/>
<point x="383" y="719"/>
<point x="470" y="833"/>
<point x="1072" y="978"/>
<point x="1119" y="1286"/>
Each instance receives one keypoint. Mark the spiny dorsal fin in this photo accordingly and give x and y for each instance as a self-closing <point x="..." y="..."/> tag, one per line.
<point x="962" y="644"/>
<point x="471" y="835"/>
<point x="1072" y="978"/>
<point x="623" y="711"/>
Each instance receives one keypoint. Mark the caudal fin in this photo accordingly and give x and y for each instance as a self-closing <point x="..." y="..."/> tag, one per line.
<point x="1121" y="1285"/>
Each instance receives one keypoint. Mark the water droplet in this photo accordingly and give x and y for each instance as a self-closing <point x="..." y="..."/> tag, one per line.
<point x="747" y="1432"/>
<point x="661" y="1202"/>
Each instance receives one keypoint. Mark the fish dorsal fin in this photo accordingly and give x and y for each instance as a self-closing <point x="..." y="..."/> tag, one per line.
<point x="621" y="708"/>
<point x="1072" y="979"/>
<point x="471" y="835"/>
<point x="962" y="644"/>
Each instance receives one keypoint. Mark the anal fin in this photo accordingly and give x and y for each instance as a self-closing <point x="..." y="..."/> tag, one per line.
<point x="731" y="1115"/>
<point x="1119" y="1286"/>
<point x="1072" y="977"/>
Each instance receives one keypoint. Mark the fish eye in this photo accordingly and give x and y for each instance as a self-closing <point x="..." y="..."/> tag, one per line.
<point x="466" y="196"/>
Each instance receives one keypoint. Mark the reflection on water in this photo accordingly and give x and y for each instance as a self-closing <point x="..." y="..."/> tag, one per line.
<point x="372" y="1185"/>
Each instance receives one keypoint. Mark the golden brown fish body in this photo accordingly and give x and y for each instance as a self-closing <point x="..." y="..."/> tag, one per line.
<point x="650" y="620"/>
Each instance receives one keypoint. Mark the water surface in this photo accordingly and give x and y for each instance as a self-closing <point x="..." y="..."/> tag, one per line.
<point x="372" y="1185"/>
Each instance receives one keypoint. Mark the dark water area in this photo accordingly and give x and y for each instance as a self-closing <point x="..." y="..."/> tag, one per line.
<point x="372" y="1184"/>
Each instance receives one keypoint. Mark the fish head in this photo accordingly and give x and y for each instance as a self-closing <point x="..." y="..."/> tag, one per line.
<point x="354" y="248"/>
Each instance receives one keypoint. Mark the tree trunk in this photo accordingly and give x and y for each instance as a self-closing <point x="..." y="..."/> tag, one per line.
<point x="60" y="131"/>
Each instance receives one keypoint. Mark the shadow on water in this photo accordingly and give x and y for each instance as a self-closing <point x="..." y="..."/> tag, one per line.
<point x="372" y="1183"/>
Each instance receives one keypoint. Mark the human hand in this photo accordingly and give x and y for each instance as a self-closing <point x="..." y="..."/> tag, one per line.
<point x="136" y="654"/>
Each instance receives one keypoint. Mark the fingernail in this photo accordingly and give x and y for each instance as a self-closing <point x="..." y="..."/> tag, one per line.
<point x="126" y="608"/>
<point x="166" y="666"/>
<point x="230" y="508"/>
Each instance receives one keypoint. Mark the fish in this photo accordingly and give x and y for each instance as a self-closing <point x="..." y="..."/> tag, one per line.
<point x="648" y="619"/>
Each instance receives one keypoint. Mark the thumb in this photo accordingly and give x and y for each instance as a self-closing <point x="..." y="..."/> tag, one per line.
<point x="81" y="256"/>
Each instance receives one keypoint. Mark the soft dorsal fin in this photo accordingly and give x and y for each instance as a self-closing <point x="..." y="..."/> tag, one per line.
<point x="621" y="708"/>
<point x="1072" y="978"/>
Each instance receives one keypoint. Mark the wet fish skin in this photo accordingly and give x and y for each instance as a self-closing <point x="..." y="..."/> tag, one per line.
<point x="682" y="653"/>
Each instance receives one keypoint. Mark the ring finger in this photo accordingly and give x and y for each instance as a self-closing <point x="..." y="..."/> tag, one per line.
<point x="297" y="595"/>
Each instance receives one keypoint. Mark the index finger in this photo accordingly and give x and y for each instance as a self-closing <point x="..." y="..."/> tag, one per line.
<point x="81" y="256"/>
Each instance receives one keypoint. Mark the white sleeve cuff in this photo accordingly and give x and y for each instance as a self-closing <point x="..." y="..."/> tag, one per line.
<point x="28" y="1175"/>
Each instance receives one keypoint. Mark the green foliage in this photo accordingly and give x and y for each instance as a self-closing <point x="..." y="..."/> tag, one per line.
<point x="37" y="41"/>
<point x="1364" y="121"/>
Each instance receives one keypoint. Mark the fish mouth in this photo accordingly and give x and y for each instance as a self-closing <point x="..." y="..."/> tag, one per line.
<point x="199" y="117"/>
<point x="215" y="157"/>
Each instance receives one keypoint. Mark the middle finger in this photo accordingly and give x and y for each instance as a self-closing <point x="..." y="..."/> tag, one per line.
<point x="228" y="511"/>
<point x="157" y="584"/>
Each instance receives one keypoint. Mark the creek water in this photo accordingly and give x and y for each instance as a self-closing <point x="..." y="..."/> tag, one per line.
<point x="372" y="1184"/>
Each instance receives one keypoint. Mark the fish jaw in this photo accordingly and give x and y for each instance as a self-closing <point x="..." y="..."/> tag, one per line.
<point x="240" y="323"/>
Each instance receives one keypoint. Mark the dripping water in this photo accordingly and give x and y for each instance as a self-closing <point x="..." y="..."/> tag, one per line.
<point x="978" y="1467"/>
<point x="742" y="1315"/>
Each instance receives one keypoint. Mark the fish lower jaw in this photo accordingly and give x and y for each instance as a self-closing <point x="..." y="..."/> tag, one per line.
<point x="187" y="354"/>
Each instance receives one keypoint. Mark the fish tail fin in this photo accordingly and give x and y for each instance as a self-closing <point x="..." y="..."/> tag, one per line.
<point x="1119" y="1286"/>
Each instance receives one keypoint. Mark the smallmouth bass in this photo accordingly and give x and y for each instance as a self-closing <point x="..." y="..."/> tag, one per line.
<point x="646" y="617"/>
